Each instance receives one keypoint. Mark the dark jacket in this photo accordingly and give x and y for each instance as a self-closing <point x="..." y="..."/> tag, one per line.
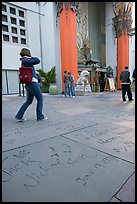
<point x="30" y="62"/>
<point x="125" y="76"/>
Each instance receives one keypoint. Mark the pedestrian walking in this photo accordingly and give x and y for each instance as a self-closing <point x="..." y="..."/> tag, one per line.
<point x="33" y="89"/>
<point x="66" y="85"/>
<point x="72" y="85"/>
<point x="125" y="83"/>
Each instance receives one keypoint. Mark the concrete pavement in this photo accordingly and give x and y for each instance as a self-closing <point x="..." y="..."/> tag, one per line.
<point x="85" y="152"/>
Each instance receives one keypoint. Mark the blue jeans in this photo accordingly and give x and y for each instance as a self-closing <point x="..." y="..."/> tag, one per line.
<point x="33" y="89"/>
<point x="72" y="89"/>
<point x="67" y="89"/>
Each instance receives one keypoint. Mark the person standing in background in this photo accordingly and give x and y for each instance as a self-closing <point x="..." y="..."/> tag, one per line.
<point x="72" y="85"/>
<point x="125" y="83"/>
<point x="66" y="84"/>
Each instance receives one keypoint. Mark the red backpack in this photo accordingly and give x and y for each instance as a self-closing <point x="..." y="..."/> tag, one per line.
<point x="25" y="75"/>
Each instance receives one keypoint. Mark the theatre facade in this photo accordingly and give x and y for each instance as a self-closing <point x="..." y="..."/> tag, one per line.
<point x="68" y="35"/>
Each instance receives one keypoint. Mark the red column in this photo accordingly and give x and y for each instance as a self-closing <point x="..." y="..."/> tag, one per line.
<point x="122" y="55"/>
<point x="68" y="41"/>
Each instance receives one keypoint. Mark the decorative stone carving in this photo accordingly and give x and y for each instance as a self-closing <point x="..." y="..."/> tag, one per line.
<point x="82" y="84"/>
<point x="85" y="53"/>
<point x="83" y="44"/>
<point x="59" y="7"/>
<point x="123" y="20"/>
<point x="73" y="6"/>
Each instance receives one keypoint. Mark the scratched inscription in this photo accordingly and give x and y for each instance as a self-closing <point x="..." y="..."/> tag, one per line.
<point x="20" y="128"/>
<point x="117" y="140"/>
<point x="43" y="171"/>
<point x="23" y="159"/>
<point x="72" y="126"/>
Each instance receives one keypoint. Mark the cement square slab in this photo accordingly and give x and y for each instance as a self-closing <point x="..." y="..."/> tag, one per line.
<point x="61" y="170"/>
<point x="113" y="139"/>
<point x="69" y="125"/>
<point x="76" y="111"/>
<point x="24" y="135"/>
<point x="127" y="193"/>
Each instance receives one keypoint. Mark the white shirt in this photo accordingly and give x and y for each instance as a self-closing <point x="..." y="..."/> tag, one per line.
<point x="34" y="80"/>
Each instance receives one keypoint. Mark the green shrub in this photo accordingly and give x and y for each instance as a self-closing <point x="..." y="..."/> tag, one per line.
<point x="52" y="75"/>
<point x="49" y="77"/>
<point x="45" y="88"/>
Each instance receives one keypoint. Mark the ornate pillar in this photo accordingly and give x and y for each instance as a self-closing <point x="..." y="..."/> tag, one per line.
<point x="68" y="38"/>
<point x="122" y="55"/>
<point x="122" y="23"/>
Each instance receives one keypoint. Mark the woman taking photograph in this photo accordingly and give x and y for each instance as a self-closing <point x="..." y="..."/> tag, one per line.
<point x="33" y="89"/>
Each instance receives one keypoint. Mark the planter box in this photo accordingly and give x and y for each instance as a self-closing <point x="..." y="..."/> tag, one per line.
<point x="53" y="90"/>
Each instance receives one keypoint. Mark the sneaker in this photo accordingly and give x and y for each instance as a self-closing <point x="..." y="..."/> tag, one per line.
<point x="43" y="119"/>
<point x="20" y="120"/>
<point x="131" y="100"/>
